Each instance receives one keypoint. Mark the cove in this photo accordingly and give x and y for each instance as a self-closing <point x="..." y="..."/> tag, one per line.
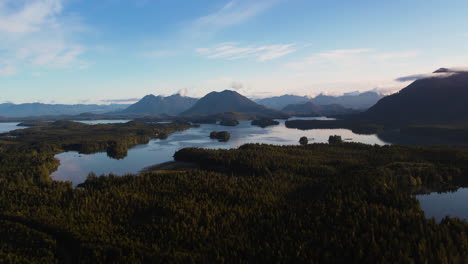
<point x="75" y="167"/>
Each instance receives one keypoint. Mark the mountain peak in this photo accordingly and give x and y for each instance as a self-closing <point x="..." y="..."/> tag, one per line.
<point x="157" y="105"/>
<point x="452" y="70"/>
<point x="225" y="101"/>
<point x="429" y="99"/>
<point x="442" y="70"/>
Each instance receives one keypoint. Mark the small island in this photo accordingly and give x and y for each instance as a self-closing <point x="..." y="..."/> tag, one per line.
<point x="264" y="123"/>
<point x="335" y="140"/>
<point x="222" y="136"/>
<point x="229" y="122"/>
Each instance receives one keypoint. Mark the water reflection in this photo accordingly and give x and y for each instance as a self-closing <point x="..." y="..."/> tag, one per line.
<point x="75" y="167"/>
<point x="439" y="205"/>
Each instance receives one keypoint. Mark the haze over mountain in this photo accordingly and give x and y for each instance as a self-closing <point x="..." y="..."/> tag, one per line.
<point x="226" y="101"/>
<point x="280" y="102"/>
<point x="310" y="108"/>
<point x="354" y="100"/>
<point x="39" y="109"/>
<point x="159" y="105"/>
<point x="442" y="97"/>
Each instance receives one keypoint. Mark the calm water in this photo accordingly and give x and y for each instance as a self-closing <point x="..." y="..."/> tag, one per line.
<point x="7" y="127"/>
<point x="439" y="205"/>
<point x="75" y="167"/>
<point x="97" y="122"/>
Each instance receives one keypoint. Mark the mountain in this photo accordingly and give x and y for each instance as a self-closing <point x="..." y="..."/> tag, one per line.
<point x="39" y="109"/>
<point x="439" y="98"/>
<point x="226" y="101"/>
<point x="310" y="108"/>
<point x="353" y="100"/>
<point x="159" y="105"/>
<point x="280" y="102"/>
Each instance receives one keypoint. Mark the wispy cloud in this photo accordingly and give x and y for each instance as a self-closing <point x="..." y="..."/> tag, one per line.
<point x="233" y="13"/>
<point x="37" y="34"/>
<point x="232" y="51"/>
<point x="350" y="58"/>
<point x="30" y="18"/>
<point x="414" y="77"/>
<point x="340" y="56"/>
<point x="447" y="72"/>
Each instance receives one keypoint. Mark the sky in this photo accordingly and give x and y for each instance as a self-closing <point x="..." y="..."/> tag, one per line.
<point x="105" y="51"/>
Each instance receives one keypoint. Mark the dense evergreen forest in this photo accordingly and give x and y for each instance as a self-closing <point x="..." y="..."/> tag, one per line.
<point x="316" y="203"/>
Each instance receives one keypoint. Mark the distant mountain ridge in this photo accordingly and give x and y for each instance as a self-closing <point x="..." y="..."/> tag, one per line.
<point x="280" y="102"/>
<point x="225" y="101"/>
<point x="353" y="100"/>
<point x="434" y="99"/>
<point x="358" y="101"/>
<point x="310" y="108"/>
<point x="39" y="109"/>
<point x="160" y="105"/>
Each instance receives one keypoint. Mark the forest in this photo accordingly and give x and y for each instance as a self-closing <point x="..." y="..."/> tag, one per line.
<point x="314" y="203"/>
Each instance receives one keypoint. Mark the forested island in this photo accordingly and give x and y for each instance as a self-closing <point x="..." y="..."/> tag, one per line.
<point x="222" y="136"/>
<point x="264" y="123"/>
<point x="317" y="203"/>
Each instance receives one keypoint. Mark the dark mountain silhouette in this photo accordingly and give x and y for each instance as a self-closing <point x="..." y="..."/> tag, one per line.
<point x="434" y="99"/>
<point x="226" y="101"/>
<point x="357" y="101"/>
<point x="280" y="102"/>
<point x="310" y="108"/>
<point x="159" y="105"/>
<point x="39" y="109"/>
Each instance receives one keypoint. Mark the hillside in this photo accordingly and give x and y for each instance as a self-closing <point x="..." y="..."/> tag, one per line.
<point x="226" y="101"/>
<point x="440" y="98"/>
<point x="159" y="105"/>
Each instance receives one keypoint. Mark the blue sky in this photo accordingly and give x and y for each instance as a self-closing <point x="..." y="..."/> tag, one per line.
<point x="87" y="51"/>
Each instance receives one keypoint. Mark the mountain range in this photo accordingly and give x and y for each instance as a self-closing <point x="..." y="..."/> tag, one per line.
<point x="280" y="102"/>
<point x="310" y="108"/>
<point x="160" y="105"/>
<point x="442" y="97"/>
<point x="357" y="101"/>
<point x="39" y="109"/>
<point x="354" y="100"/>
<point x="212" y="103"/>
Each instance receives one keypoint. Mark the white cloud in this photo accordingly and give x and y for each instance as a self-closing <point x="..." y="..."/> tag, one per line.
<point x="36" y="34"/>
<point x="182" y="92"/>
<point x="233" y="13"/>
<point x="439" y="74"/>
<point x="31" y="17"/>
<point x="352" y="60"/>
<point x="231" y="51"/>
